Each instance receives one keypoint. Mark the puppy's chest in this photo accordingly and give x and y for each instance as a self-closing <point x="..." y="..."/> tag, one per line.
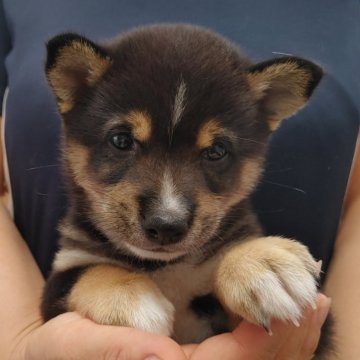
<point x="189" y="288"/>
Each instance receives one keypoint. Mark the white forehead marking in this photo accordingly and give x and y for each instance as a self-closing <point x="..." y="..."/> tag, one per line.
<point x="179" y="103"/>
<point x="179" y="106"/>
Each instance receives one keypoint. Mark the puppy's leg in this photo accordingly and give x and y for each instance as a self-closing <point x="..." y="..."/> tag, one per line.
<point x="110" y="295"/>
<point x="267" y="278"/>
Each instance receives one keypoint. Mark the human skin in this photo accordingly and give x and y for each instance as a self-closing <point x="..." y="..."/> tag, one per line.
<point x="342" y="282"/>
<point x="24" y="336"/>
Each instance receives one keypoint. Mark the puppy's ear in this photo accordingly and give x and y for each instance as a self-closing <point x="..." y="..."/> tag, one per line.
<point x="73" y="64"/>
<point x="283" y="86"/>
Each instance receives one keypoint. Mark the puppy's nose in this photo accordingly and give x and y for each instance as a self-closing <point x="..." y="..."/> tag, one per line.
<point x="165" y="231"/>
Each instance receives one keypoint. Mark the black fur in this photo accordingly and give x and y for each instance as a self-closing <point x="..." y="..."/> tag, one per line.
<point x="56" y="290"/>
<point x="327" y="346"/>
<point x="207" y="306"/>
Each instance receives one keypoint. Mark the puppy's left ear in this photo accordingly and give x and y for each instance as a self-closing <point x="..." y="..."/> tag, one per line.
<point x="73" y="65"/>
<point x="283" y="86"/>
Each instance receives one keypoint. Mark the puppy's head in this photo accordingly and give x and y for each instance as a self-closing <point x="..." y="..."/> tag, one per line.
<point x="166" y="128"/>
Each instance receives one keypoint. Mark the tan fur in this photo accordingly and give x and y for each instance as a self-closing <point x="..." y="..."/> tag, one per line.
<point x="77" y="156"/>
<point x="77" y="58"/>
<point x="112" y="295"/>
<point x="212" y="207"/>
<point x="249" y="177"/>
<point x="241" y="279"/>
<point x="104" y="199"/>
<point x="209" y="131"/>
<point x="140" y="122"/>
<point x="116" y="208"/>
<point x="210" y="203"/>
<point x="285" y="85"/>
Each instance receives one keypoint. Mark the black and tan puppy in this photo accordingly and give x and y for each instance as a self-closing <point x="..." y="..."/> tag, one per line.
<point x="165" y="132"/>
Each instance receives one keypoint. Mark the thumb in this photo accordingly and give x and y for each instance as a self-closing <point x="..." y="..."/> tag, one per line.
<point x="257" y="343"/>
<point x="69" y="336"/>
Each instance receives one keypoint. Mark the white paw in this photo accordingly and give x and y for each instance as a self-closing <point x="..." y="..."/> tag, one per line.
<point x="110" y="295"/>
<point x="269" y="279"/>
<point x="152" y="313"/>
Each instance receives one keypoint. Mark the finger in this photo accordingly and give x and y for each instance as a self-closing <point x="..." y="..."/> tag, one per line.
<point x="256" y="343"/>
<point x="247" y="342"/>
<point x="69" y="336"/>
<point x="312" y="339"/>
<point x="222" y="346"/>
<point x="292" y="348"/>
<point x="189" y="349"/>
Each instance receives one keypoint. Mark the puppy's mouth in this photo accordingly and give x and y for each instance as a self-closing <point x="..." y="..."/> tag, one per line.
<point x="155" y="253"/>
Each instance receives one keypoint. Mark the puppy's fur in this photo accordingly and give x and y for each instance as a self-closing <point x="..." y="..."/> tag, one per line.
<point x="165" y="132"/>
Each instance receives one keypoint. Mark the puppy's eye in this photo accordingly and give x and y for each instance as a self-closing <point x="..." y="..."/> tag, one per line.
<point x="122" y="141"/>
<point x="215" y="152"/>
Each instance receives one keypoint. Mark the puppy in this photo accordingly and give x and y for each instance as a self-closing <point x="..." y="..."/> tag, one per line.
<point x="165" y="133"/>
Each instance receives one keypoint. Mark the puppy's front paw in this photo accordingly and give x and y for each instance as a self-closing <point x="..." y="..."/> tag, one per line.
<point x="267" y="278"/>
<point x="110" y="295"/>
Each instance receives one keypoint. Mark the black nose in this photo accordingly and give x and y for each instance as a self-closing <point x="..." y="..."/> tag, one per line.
<point x="165" y="231"/>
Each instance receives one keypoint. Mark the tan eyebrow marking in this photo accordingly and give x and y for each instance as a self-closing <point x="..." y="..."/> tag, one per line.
<point x="209" y="131"/>
<point x="140" y="122"/>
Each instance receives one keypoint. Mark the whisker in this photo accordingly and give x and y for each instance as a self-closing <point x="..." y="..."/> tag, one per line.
<point x="250" y="140"/>
<point x="42" y="167"/>
<point x="281" y="53"/>
<point x="286" y="186"/>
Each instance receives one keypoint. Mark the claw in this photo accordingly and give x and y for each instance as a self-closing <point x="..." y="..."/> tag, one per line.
<point x="267" y="326"/>
<point x="295" y="322"/>
<point x="318" y="268"/>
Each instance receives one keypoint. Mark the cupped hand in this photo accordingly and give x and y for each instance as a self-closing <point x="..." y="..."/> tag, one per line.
<point x="251" y="342"/>
<point x="70" y="336"/>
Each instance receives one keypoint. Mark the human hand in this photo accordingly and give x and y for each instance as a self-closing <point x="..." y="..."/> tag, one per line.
<point x="251" y="342"/>
<point x="69" y="336"/>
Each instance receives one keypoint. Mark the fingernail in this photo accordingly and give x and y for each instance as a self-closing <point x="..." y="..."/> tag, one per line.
<point x="323" y="311"/>
<point x="152" y="357"/>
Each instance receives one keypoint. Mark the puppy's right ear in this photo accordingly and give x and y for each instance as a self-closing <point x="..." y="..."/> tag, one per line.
<point x="73" y="64"/>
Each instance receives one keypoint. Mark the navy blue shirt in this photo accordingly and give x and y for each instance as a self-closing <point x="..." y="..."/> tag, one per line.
<point x="310" y="156"/>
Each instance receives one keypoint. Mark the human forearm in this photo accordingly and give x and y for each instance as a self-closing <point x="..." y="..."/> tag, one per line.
<point x="21" y="285"/>
<point x="2" y="175"/>
<point x="342" y="283"/>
